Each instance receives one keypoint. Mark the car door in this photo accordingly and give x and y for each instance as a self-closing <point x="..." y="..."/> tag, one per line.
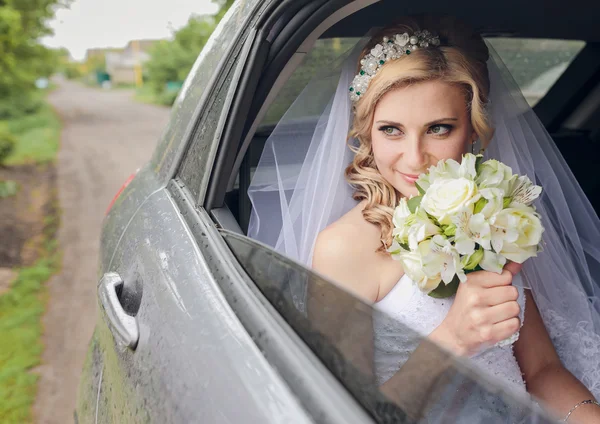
<point x="167" y="347"/>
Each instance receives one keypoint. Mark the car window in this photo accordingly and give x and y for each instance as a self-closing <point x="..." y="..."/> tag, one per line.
<point x="536" y="64"/>
<point x="193" y="89"/>
<point x="316" y="60"/>
<point x="429" y="386"/>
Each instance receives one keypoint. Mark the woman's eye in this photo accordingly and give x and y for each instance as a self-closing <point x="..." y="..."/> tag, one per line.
<point x="439" y="129"/>
<point x="393" y="131"/>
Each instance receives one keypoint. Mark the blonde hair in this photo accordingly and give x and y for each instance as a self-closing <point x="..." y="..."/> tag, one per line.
<point x="459" y="60"/>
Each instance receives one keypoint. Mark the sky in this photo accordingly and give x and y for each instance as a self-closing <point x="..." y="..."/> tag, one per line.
<point x="113" y="23"/>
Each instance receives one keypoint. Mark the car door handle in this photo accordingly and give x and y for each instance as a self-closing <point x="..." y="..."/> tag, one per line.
<point x="123" y="326"/>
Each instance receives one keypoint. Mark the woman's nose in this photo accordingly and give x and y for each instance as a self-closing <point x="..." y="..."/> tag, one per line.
<point x="415" y="156"/>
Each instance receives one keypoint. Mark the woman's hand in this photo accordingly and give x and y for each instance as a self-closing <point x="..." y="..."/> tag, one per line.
<point x="485" y="311"/>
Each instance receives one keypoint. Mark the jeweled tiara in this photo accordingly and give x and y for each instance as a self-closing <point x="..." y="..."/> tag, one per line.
<point x="389" y="49"/>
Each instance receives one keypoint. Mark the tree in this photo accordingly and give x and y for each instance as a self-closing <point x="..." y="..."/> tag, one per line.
<point x="23" y="58"/>
<point x="171" y="60"/>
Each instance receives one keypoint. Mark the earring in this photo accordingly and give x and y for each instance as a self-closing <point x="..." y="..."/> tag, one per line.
<point x="473" y="147"/>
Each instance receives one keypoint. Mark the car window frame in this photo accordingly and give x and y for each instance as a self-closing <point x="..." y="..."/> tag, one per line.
<point x="323" y="396"/>
<point x="190" y="134"/>
<point x="210" y="141"/>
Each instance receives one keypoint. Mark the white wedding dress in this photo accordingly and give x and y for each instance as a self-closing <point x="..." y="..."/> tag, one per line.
<point x="422" y="313"/>
<point x="461" y="400"/>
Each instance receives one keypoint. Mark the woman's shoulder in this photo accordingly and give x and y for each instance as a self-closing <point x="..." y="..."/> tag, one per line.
<point x="346" y="251"/>
<point x="349" y="235"/>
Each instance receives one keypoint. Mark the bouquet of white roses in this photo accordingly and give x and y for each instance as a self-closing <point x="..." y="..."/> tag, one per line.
<point x="469" y="216"/>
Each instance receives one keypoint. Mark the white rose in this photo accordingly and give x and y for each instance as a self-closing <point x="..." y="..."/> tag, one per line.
<point x="521" y="221"/>
<point x="446" y="197"/>
<point x="495" y="174"/>
<point x="518" y="254"/>
<point x="445" y="169"/>
<point x="411" y="263"/>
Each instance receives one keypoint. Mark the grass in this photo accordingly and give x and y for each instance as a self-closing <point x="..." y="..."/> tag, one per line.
<point x="145" y="94"/>
<point x="38" y="137"/>
<point x="22" y="306"/>
<point x="21" y="309"/>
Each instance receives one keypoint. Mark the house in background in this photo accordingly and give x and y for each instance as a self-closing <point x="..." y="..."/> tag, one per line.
<point x="124" y="67"/>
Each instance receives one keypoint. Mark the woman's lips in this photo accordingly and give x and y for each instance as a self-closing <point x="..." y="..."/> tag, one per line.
<point x="410" y="178"/>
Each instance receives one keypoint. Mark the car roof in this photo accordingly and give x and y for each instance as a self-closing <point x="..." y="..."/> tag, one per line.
<point x="575" y="20"/>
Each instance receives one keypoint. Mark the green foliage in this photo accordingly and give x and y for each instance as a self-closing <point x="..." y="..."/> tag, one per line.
<point x="7" y="143"/>
<point x="21" y="309"/>
<point x="37" y="136"/>
<point x="171" y="60"/>
<point x="22" y="58"/>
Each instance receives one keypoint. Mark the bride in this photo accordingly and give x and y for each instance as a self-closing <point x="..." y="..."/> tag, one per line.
<point x="534" y="329"/>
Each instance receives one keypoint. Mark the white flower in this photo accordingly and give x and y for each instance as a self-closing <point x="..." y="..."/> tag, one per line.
<point x="467" y="167"/>
<point x="411" y="263"/>
<point x="523" y="191"/>
<point x="518" y="254"/>
<point x="440" y="257"/>
<point x="494" y="174"/>
<point x="516" y="233"/>
<point x="395" y="250"/>
<point x="493" y="201"/>
<point x="421" y="228"/>
<point x="524" y="221"/>
<point x="445" y="169"/>
<point x="492" y="262"/>
<point x="399" y="219"/>
<point x="447" y="197"/>
<point x="471" y="229"/>
<point x="401" y="213"/>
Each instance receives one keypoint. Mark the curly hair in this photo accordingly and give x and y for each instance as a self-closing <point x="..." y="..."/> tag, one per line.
<point x="459" y="60"/>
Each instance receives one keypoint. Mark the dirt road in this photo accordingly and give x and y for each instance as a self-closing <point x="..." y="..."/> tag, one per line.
<point x="106" y="137"/>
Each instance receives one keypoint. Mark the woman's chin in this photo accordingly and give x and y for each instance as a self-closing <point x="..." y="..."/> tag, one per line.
<point x="407" y="190"/>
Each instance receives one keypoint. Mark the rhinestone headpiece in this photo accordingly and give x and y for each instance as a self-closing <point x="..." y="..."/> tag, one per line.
<point x="389" y="49"/>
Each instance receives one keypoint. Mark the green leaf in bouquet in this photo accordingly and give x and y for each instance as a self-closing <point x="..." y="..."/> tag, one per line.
<point x="471" y="262"/>
<point x="449" y="230"/>
<point x="478" y="163"/>
<point x="413" y="203"/>
<point x="479" y="205"/>
<point x="421" y="191"/>
<point x="444" y="291"/>
<point x="506" y="202"/>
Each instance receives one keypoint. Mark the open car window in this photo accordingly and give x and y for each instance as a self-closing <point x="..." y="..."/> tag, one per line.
<point x="431" y="386"/>
<point x="536" y="64"/>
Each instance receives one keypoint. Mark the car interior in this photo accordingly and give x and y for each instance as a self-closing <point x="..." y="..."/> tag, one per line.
<point x="569" y="109"/>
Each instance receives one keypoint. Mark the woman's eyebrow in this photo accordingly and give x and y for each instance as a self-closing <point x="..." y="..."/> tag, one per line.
<point x="439" y="121"/>
<point x="428" y="124"/>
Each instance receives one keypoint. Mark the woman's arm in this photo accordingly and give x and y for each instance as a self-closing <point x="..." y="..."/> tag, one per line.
<point x="545" y="376"/>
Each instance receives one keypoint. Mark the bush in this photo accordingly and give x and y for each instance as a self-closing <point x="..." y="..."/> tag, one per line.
<point x="7" y="144"/>
<point x="16" y="106"/>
